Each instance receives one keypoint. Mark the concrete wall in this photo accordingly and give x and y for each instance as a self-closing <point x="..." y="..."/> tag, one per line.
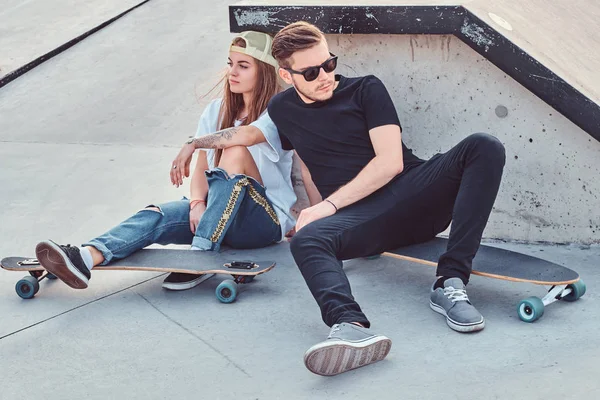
<point x="444" y="91"/>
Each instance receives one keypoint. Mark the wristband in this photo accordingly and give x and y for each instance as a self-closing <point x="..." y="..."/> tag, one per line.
<point x="330" y="202"/>
<point x="194" y="203"/>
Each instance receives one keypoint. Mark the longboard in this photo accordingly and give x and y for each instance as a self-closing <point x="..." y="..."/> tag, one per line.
<point x="492" y="262"/>
<point x="155" y="260"/>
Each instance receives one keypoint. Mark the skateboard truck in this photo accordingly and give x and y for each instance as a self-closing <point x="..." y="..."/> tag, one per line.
<point x="532" y="308"/>
<point x="227" y="290"/>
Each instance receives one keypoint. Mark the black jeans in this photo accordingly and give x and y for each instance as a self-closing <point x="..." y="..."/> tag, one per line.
<point x="459" y="186"/>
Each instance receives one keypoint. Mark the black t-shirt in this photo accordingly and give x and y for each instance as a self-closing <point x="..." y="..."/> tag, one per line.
<point x="332" y="137"/>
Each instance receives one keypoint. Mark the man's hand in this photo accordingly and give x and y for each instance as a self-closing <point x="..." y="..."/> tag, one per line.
<point x="314" y="213"/>
<point x="180" y="167"/>
<point x="195" y="215"/>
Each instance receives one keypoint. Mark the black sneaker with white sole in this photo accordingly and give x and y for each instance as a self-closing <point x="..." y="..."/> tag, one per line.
<point x="179" y="281"/>
<point x="64" y="262"/>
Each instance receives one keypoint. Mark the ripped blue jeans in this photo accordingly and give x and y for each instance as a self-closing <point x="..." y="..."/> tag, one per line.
<point x="238" y="214"/>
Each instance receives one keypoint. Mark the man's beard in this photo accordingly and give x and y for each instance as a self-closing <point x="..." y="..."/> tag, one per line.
<point x="308" y="96"/>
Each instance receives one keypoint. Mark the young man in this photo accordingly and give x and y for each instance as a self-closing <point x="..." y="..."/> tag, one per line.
<point x="377" y="195"/>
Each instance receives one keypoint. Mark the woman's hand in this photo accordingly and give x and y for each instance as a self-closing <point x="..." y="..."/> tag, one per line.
<point x="180" y="167"/>
<point x="195" y="215"/>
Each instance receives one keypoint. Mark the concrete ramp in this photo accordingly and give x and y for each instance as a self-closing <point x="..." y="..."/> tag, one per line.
<point x="34" y="31"/>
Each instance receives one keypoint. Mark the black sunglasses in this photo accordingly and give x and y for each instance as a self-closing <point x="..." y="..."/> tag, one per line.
<point x="311" y="73"/>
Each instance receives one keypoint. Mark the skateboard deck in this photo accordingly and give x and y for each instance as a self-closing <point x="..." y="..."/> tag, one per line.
<point x="496" y="263"/>
<point x="156" y="260"/>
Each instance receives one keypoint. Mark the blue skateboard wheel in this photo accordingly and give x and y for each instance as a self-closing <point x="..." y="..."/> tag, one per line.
<point x="27" y="287"/>
<point x="226" y="292"/>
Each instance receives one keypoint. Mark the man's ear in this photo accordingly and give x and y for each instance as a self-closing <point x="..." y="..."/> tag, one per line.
<point x="286" y="76"/>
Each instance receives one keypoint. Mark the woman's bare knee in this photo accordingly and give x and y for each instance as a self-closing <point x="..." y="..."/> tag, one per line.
<point x="234" y="156"/>
<point x="239" y="160"/>
<point x="235" y="159"/>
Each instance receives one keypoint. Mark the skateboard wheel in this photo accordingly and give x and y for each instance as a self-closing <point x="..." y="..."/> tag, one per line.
<point x="577" y="290"/>
<point x="27" y="287"/>
<point x="248" y="278"/>
<point x="373" y="257"/>
<point x="36" y="274"/>
<point x="226" y="292"/>
<point x="531" y="309"/>
<point x="51" y="276"/>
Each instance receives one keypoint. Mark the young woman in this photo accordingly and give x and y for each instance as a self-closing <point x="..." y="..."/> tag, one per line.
<point x="241" y="193"/>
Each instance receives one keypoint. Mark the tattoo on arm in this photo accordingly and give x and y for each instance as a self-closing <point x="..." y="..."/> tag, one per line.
<point x="217" y="140"/>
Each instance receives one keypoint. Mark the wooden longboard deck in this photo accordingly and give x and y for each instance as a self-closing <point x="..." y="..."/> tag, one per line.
<point x="163" y="260"/>
<point x="493" y="262"/>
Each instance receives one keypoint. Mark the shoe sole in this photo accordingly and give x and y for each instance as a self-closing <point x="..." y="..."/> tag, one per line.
<point x="458" y="326"/>
<point x="186" y="285"/>
<point x="333" y="358"/>
<point x="56" y="262"/>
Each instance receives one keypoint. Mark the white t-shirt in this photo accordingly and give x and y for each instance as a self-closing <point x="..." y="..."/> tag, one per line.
<point x="274" y="163"/>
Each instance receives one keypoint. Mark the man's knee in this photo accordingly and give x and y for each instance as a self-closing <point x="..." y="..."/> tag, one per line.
<point x="307" y="240"/>
<point x="490" y="146"/>
<point x="300" y="240"/>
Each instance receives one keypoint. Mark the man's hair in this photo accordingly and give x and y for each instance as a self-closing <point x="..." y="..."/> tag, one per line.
<point x="295" y="37"/>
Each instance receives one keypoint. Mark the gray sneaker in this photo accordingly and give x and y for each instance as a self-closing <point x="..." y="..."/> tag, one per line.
<point x="348" y="346"/>
<point x="453" y="303"/>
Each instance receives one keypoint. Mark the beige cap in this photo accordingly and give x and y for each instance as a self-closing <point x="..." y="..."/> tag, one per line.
<point x="258" y="45"/>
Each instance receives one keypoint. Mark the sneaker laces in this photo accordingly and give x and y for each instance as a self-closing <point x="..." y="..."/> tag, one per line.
<point x="68" y="249"/>
<point x="456" y="294"/>
<point x="334" y="330"/>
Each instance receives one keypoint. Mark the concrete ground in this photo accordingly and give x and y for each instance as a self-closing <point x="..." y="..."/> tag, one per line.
<point x="87" y="139"/>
